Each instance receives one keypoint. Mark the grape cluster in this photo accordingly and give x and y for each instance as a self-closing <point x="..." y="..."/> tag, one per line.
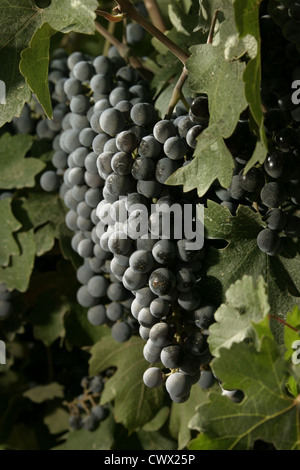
<point x="90" y="93"/>
<point x="85" y="410"/>
<point x="157" y="267"/>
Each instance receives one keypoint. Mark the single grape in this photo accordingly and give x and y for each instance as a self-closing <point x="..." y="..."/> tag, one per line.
<point x="153" y="377"/>
<point x="121" y="332"/>
<point x="49" y="181"/>
<point x="268" y="241"/>
<point x="273" y="194"/>
<point x="204" y="316"/>
<point x="161" y="281"/>
<point x="178" y="384"/>
<point x="96" y="315"/>
<point x="163" y="130"/>
<point x="172" y="356"/>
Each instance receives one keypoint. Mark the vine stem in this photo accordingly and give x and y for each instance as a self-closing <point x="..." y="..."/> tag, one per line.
<point x="155" y="14"/>
<point x="126" y="7"/>
<point x="124" y="51"/>
<point x="212" y="28"/>
<point x="177" y="92"/>
<point x="283" y="322"/>
<point x="111" y="30"/>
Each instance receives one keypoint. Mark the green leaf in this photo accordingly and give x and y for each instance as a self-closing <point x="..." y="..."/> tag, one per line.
<point x="48" y="318"/>
<point x="157" y="422"/>
<point x="155" y="440"/>
<point x="292" y="386"/>
<point x="67" y="15"/>
<point x="245" y="303"/>
<point x="17" y="171"/>
<point x="247" y="22"/>
<point x="34" y="66"/>
<point x="135" y="404"/>
<point x="221" y="81"/>
<point x="44" y="239"/>
<point x="43" y="393"/>
<point x="258" y="156"/>
<point x="19" y="20"/>
<point x="290" y="335"/>
<point x="100" y="439"/>
<point x="57" y="420"/>
<point x="8" y="246"/>
<point x="266" y="412"/>
<point x="242" y="256"/>
<point x="45" y="213"/>
<point x="212" y="160"/>
<point x="17" y="274"/>
<point x="42" y="207"/>
<point x="209" y="442"/>
<point x="206" y="12"/>
<point x="182" y="413"/>
<point x="176" y="15"/>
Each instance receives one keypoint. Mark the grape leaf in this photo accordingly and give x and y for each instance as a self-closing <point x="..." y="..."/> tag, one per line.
<point x="212" y="160"/>
<point x="155" y="440"/>
<point x="242" y="256"/>
<point x="43" y="393"/>
<point x="181" y="414"/>
<point x="221" y="81"/>
<point x="266" y="412"/>
<point x="156" y="423"/>
<point x="34" y="66"/>
<point x="42" y="207"/>
<point x="50" y="325"/>
<point x="245" y="303"/>
<point x="100" y="439"/>
<point x="44" y="213"/>
<point x="17" y="171"/>
<point x="247" y="22"/>
<point x="258" y="156"/>
<point x="17" y="274"/>
<point x="8" y="246"/>
<point x="209" y="442"/>
<point x="57" y="420"/>
<point x="135" y="403"/>
<point x="290" y="335"/>
<point x="19" y="19"/>
<point x="206" y="12"/>
<point x="44" y="239"/>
